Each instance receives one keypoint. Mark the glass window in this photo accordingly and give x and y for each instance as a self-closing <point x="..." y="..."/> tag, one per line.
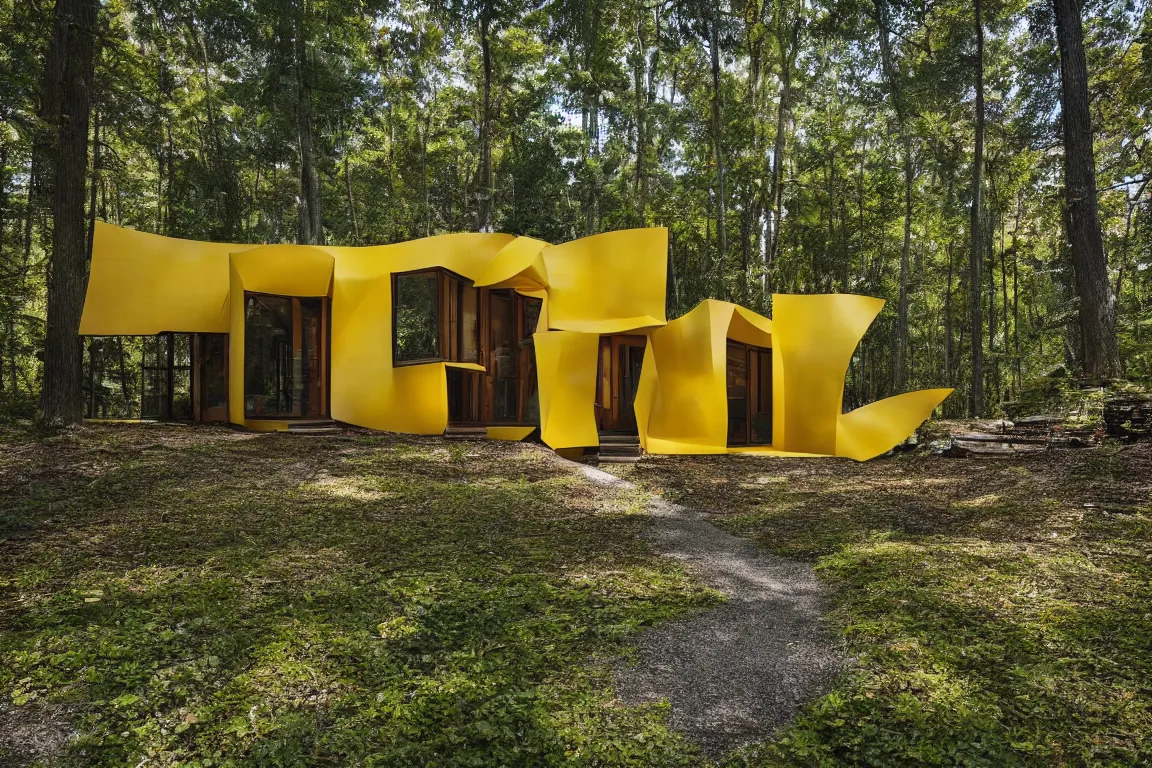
<point x="437" y="317"/>
<point x="469" y="323"/>
<point x="531" y="315"/>
<point x="214" y="370"/>
<point x="505" y="360"/>
<point x="268" y="356"/>
<point x="416" y="335"/>
<point x="737" y="381"/>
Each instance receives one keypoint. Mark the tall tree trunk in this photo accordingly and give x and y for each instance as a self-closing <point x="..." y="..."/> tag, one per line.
<point x="718" y="152"/>
<point x="975" y="259"/>
<point x="351" y="201"/>
<point x="9" y="309"/>
<point x="1082" y="214"/>
<point x="311" y="219"/>
<point x="484" y="190"/>
<point x="65" y="106"/>
<point x="788" y="44"/>
<point x="898" y="365"/>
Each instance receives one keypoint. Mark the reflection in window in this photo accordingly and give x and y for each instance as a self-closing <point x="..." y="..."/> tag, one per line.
<point x="469" y="323"/>
<point x="214" y="370"/>
<point x="417" y="331"/>
<point x="505" y="360"/>
<point x="267" y="355"/>
<point x="437" y="317"/>
<point x="737" y="394"/>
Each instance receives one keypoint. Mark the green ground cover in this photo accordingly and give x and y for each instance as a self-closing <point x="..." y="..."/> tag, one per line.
<point x="999" y="611"/>
<point x="204" y="597"/>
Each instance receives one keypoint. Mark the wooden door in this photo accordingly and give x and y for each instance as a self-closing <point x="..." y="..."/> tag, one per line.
<point x="748" y="379"/>
<point x="463" y="397"/>
<point x="617" y="381"/>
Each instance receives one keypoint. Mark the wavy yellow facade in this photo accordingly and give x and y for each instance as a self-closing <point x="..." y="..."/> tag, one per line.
<point x="608" y="284"/>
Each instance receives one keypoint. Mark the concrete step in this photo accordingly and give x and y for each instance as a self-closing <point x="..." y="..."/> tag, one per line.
<point x="618" y="459"/>
<point x="619" y="448"/>
<point x="314" y="427"/>
<point x="466" y="433"/>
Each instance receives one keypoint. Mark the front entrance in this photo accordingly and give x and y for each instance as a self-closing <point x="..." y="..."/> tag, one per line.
<point x="285" y="357"/>
<point x="505" y="393"/>
<point x="749" y="382"/>
<point x="617" y="381"/>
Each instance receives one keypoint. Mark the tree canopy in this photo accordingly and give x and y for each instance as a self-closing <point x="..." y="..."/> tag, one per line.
<point x="794" y="146"/>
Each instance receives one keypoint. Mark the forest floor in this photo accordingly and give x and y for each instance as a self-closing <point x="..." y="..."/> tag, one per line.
<point x="201" y="596"/>
<point x="998" y="611"/>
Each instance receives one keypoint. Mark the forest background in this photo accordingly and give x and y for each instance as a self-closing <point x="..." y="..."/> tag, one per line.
<point x="982" y="165"/>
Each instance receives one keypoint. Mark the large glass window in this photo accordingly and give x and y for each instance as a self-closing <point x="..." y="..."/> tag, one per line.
<point x="285" y="356"/>
<point x="505" y="357"/>
<point x="178" y="376"/>
<point x="416" y="313"/>
<point x="112" y="376"/>
<point x="435" y="317"/>
<point x="213" y="372"/>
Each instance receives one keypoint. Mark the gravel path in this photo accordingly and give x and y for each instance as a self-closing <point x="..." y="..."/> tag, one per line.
<point x="736" y="673"/>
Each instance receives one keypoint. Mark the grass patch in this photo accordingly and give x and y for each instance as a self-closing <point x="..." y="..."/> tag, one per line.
<point x="204" y="597"/>
<point x="999" y="611"/>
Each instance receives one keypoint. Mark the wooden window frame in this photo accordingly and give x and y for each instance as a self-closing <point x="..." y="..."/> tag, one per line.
<point x="446" y="344"/>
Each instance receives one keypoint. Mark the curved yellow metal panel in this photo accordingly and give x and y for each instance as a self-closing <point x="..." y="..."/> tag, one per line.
<point x="519" y="264"/>
<point x="682" y="386"/>
<point x="366" y="389"/>
<point x="285" y="270"/>
<point x="878" y="427"/>
<point x="646" y="390"/>
<point x="608" y="283"/>
<point x="813" y="338"/>
<point x="515" y="434"/>
<point x="235" y="346"/>
<point x="566" y="369"/>
<point x="749" y="327"/>
<point x="142" y="284"/>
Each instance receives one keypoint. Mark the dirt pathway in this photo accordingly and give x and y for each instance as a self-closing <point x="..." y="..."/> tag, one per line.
<point x="736" y="673"/>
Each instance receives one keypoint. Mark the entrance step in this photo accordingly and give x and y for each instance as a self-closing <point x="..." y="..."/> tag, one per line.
<point x="465" y="433"/>
<point x="619" y="447"/>
<point x="318" y="427"/>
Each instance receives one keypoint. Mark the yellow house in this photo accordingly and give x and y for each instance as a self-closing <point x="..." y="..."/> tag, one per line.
<point x="487" y="333"/>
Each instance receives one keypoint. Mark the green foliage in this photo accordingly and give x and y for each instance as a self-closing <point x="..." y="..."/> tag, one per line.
<point x="197" y="598"/>
<point x="997" y="612"/>
<point x="601" y="118"/>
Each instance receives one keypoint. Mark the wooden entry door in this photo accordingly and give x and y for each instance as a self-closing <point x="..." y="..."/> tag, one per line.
<point x="617" y="381"/>
<point x="464" y="388"/>
<point x="749" y="383"/>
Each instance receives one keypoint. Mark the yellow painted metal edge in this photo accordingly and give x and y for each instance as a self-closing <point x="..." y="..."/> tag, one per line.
<point x="265" y="425"/>
<point x="514" y="434"/>
<point x="466" y="366"/>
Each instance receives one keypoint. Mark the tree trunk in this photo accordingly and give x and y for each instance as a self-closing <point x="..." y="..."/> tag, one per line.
<point x="975" y="258"/>
<point x="1082" y="214"/>
<point x="484" y="183"/>
<point x="3" y="227"/>
<point x="65" y="106"/>
<point x="718" y="153"/>
<point x="311" y="219"/>
<point x="898" y="365"/>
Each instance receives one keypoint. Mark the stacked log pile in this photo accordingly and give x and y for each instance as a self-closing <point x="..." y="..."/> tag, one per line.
<point x="1129" y="417"/>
